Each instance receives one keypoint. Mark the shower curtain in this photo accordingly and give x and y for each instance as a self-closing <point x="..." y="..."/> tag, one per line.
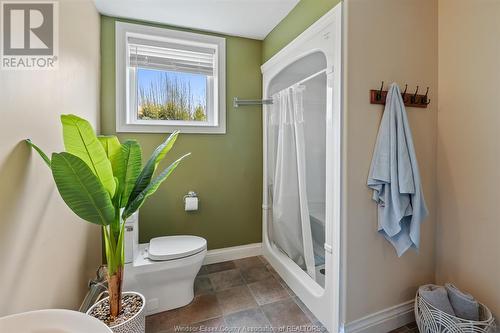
<point x="290" y="227"/>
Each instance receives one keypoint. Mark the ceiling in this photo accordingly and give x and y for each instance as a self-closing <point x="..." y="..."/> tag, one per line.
<point x="244" y="18"/>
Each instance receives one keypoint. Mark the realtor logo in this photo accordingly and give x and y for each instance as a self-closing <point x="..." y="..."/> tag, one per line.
<point x="29" y="35"/>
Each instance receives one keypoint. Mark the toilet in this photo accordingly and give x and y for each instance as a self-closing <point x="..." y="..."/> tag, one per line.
<point x="162" y="270"/>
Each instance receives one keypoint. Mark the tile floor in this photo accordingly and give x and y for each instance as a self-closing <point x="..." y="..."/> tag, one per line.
<point x="235" y="294"/>
<point x="245" y="293"/>
<point x="410" y="328"/>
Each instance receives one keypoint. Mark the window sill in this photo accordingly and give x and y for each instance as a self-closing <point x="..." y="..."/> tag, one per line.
<point x="136" y="128"/>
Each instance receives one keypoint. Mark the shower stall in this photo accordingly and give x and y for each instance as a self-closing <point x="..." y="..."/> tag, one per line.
<point x="302" y="175"/>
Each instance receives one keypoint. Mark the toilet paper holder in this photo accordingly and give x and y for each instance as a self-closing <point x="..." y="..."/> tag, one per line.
<point x="191" y="201"/>
<point x="191" y="194"/>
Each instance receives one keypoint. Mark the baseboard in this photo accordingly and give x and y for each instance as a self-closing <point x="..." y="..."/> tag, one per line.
<point x="233" y="253"/>
<point x="383" y="321"/>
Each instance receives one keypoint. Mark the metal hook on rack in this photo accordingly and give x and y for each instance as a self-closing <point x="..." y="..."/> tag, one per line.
<point x="379" y="93"/>
<point x="403" y="95"/>
<point x="414" y="97"/>
<point x="425" y="100"/>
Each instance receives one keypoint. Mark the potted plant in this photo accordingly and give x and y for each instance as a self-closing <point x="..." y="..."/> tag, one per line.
<point x="103" y="182"/>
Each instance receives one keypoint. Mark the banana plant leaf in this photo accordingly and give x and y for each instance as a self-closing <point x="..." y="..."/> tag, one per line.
<point x="139" y="200"/>
<point x="113" y="149"/>
<point x="147" y="173"/>
<point x="39" y="151"/>
<point x="132" y="164"/>
<point x="81" y="189"/>
<point x="81" y="141"/>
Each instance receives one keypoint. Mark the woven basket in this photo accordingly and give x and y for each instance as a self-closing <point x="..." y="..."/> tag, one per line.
<point x="432" y="320"/>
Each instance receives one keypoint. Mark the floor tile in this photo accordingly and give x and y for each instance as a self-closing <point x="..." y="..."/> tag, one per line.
<point x="255" y="273"/>
<point x="235" y="299"/>
<point x="202" y="285"/>
<point x="219" y="267"/>
<point x="249" y="262"/>
<point x="412" y="325"/>
<point x="226" y="279"/>
<point x="215" y="325"/>
<point x="280" y="280"/>
<point x="286" y="313"/>
<point x="409" y="328"/>
<point x="202" y="308"/>
<point x="268" y="291"/>
<point x="235" y="294"/>
<point x="253" y="318"/>
<point x="264" y="260"/>
<point x="304" y="309"/>
<point x="271" y="269"/>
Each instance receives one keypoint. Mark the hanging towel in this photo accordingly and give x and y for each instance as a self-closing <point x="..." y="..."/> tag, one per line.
<point x="395" y="179"/>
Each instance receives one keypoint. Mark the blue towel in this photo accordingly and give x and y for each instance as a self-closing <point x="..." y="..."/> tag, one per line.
<point x="395" y="179"/>
<point x="464" y="305"/>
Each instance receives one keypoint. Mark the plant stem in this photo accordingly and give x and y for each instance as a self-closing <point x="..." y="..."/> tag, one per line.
<point x="114" y="237"/>
<point x="115" y="293"/>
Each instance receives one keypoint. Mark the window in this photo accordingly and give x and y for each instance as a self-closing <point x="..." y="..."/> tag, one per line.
<point x="169" y="80"/>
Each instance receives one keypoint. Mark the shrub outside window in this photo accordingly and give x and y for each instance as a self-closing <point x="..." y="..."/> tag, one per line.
<point x="169" y="80"/>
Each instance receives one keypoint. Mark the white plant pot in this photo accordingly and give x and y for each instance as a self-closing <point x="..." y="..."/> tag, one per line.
<point x="135" y="324"/>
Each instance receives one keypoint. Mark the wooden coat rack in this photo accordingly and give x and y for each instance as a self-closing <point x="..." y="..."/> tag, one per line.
<point x="414" y="100"/>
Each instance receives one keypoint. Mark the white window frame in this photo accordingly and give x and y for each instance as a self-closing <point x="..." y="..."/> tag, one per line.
<point x="126" y="114"/>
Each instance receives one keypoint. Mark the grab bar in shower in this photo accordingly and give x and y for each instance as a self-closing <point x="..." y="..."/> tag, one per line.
<point x="243" y="102"/>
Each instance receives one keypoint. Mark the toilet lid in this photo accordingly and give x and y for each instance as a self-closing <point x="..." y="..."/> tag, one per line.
<point x="175" y="247"/>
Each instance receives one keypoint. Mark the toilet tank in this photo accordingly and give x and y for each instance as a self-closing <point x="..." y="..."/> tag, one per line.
<point x="131" y="237"/>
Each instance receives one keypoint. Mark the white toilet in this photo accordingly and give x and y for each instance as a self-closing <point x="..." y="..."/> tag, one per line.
<point x="162" y="270"/>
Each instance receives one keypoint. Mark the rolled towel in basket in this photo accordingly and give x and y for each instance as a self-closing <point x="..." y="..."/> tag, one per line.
<point x="437" y="296"/>
<point x="464" y="305"/>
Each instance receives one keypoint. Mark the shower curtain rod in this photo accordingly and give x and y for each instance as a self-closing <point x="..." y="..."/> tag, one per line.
<point x="244" y="102"/>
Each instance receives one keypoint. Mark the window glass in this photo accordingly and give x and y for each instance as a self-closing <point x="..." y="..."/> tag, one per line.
<point x="166" y="95"/>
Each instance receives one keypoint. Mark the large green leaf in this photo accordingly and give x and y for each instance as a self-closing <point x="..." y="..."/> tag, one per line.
<point x="39" y="151"/>
<point x="81" y="189"/>
<point x="80" y="140"/>
<point x="113" y="149"/>
<point x="132" y="164"/>
<point x="147" y="173"/>
<point x="135" y="204"/>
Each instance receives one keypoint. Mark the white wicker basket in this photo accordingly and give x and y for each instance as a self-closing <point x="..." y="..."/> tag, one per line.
<point x="432" y="320"/>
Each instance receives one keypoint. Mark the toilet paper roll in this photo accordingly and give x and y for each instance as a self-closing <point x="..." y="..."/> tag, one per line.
<point x="191" y="203"/>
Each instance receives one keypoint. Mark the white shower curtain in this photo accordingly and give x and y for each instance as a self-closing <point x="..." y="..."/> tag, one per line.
<point x="290" y="227"/>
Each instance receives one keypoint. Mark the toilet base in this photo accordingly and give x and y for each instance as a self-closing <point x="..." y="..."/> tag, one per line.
<point x="166" y="285"/>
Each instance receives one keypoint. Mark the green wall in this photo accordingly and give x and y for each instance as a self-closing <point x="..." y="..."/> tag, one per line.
<point x="225" y="169"/>
<point x="299" y="19"/>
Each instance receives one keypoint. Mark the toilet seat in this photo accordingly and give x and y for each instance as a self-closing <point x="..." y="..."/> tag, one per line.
<point x="175" y="247"/>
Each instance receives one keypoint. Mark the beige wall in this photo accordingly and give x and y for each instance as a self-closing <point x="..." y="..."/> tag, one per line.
<point x="468" y="167"/>
<point x="47" y="254"/>
<point x="390" y="40"/>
